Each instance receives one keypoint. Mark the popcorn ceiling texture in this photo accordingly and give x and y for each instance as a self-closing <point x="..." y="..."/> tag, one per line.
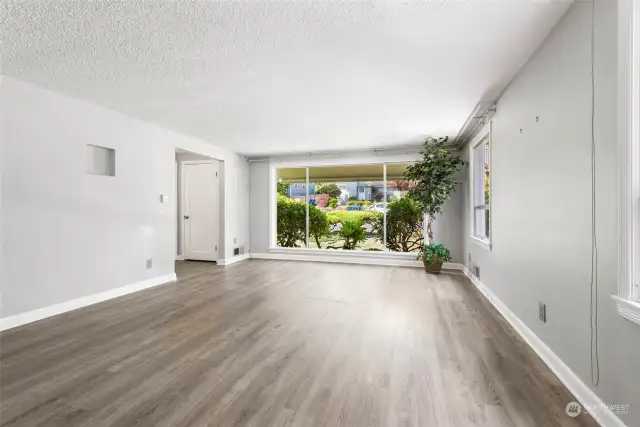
<point x="261" y="77"/>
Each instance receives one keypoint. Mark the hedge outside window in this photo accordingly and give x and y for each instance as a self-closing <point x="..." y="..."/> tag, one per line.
<point x="291" y="208"/>
<point x="405" y="220"/>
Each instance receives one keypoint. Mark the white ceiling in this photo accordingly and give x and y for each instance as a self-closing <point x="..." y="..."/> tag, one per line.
<point x="264" y="77"/>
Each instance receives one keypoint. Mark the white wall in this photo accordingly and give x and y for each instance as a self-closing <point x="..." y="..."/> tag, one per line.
<point x="447" y="227"/>
<point x="541" y="203"/>
<point x="67" y="234"/>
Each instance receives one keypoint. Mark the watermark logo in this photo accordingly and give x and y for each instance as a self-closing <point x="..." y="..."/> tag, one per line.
<point x="573" y="409"/>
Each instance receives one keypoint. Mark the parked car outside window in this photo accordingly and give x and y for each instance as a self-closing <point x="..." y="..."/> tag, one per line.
<point x="378" y="207"/>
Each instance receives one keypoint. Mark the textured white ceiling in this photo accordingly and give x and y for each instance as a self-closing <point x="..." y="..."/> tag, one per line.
<point x="263" y="77"/>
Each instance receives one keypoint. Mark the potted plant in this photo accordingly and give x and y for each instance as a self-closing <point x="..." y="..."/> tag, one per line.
<point x="433" y="256"/>
<point x="432" y="181"/>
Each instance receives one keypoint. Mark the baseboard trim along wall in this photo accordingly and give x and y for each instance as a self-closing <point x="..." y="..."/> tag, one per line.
<point x="386" y="259"/>
<point x="585" y="396"/>
<point x="74" y="304"/>
<point x="232" y="260"/>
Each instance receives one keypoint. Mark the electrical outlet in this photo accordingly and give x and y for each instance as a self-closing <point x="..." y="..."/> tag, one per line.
<point x="542" y="312"/>
<point x="236" y="251"/>
<point x="477" y="271"/>
<point x="149" y="263"/>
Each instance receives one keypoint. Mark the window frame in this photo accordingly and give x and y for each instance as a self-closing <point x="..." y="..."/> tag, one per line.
<point x="627" y="298"/>
<point x="273" y="247"/>
<point x="482" y="137"/>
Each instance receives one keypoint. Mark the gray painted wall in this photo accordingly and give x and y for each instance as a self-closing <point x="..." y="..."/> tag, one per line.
<point x="448" y="227"/>
<point x="259" y="206"/>
<point x="541" y="201"/>
<point x="67" y="234"/>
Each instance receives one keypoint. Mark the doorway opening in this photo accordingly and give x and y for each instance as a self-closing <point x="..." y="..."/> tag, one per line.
<point x="199" y="195"/>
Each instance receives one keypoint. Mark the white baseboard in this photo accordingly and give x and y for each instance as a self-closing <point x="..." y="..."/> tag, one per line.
<point x="74" y="304"/>
<point x="585" y="396"/>
<point x="355" y="258"/>
<point x="452" y="266"/>
<point x="179" y="257"/>
<point x="234" y="259"/>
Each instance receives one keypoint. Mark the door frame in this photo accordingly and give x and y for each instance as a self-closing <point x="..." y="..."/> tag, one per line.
<point x="181" y="205"/>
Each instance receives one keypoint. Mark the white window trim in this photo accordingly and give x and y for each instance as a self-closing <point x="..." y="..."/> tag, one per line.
<point x="482" y="242"/>
<point x="628" y="297"/>
<point x="482" y="135"/>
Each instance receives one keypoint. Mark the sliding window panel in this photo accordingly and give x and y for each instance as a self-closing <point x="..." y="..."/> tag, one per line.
<point x="481" y="190"/>
<point x="291" y="211"/>
<point x="487" y="188"/>
<point x="405" y="220"/>
<point x="346" y="210"/>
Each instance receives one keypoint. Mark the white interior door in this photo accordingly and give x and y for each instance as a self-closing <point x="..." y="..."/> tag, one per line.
<point x="200" y="210"/>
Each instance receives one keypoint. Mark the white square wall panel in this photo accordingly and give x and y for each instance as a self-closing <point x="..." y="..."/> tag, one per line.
<point x="101" y="160"/>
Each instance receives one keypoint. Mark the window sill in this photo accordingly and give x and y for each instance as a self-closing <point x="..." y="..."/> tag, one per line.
<point x="343" y="252"/>
<point x="398" y="259"/>
<point x="628" y="309"/>
<point x="484" y="243"/>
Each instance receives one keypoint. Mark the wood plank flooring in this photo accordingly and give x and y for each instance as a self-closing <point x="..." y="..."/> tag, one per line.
<point x="277" y="343"/>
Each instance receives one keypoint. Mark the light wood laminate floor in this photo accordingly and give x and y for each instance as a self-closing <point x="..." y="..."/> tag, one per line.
<point x="277" y="343"/>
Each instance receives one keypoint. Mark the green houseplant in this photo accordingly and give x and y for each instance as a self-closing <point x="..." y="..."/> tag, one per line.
<point x="433" y="256"/>
<point x="433" y="180"/>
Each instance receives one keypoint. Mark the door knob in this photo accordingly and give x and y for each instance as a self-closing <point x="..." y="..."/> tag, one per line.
<point x="186" y="217"/>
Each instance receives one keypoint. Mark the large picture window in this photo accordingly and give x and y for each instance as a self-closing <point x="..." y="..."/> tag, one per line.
<point x="481" y="190"/>
<point x="347" y="207"/>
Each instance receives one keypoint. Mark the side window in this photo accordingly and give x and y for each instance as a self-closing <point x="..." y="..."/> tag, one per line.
<point x="481" y="190"/>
